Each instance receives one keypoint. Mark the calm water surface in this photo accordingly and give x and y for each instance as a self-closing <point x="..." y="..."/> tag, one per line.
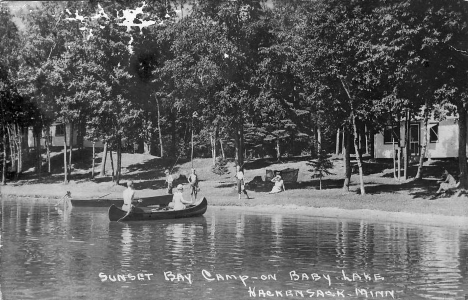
<point x="49" y="253"/>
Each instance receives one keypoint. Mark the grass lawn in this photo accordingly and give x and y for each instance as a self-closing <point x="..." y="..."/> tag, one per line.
<point x="385" y="195"/>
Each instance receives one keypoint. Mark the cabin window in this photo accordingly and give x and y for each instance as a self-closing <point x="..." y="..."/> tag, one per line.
<point x="60" y="130"/>
<point x="433" y="133"/>
<point x="391" y="134"/>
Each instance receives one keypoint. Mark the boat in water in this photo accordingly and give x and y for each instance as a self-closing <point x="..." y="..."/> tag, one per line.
<point x="157" y="213"/>
<point x="162" y="200"/>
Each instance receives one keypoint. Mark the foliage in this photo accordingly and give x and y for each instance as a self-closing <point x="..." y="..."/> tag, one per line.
<point x="220" y="167"/>
<point x="321" y="166"/>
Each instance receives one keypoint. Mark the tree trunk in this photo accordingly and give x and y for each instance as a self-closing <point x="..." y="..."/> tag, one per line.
<point x="112" y="164"/>
<point x="242" y="144"/>
<point x="94" y="160"/>
<point x="356" y="137"/>
<point x="65" y="165"/>
<point x="213" y="148"/>
<point x="371" y="142"/>
<point x="147" y="145"/>
<point x="399" y="149"/>
<point x="38" y="150"/>
<point x="399" y="163"/>
<point x="343" y="142"/>
<point x="47" y="145"/>
<point x="71" y="149"/>
<point x="11" y="144"/>
<point x="238" y="142"/>
<point x="347" y="159"/>
<point x="394" y="158"/>
<point x="104" y="160"/>
<point x="191" y="142"/>
<point x="358" y="157"/>
<point x="278" y="150"/>
<point x="419" y="174"/>
<point x="20" y="152"/>
<point x="462" y="147"/>
<point x="161" y="146"/>
<point x="119" y="160"/>
<point x="222" y="148"/>
<point x="319" y="140"/>
<point x="4" y="165"/>
<point x="407" y="153"/>
<point x="361" y="137"/>
<point x="174" y="137"/>
<point x="337" y="148"/>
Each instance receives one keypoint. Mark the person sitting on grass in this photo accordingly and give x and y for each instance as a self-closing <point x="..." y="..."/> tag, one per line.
<point x="447" y="184"/>
<point x="178" y="201"/>
<point x="279" y="183"/>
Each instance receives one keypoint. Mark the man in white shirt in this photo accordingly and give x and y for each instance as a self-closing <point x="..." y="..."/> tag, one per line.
<point x="128" y="195"/>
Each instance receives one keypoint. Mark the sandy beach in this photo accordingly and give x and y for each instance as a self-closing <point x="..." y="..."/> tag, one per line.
<point x="386" y="200"/>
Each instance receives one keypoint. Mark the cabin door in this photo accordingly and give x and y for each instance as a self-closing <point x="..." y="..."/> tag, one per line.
<point x="414" y="139"/>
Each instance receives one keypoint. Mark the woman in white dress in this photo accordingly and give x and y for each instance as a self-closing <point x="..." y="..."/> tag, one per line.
<point x="178" y="201"/>
<point x="279" y="184"/>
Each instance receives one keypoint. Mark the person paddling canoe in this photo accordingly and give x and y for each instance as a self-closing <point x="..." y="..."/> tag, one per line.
<point x="128" y="197"/>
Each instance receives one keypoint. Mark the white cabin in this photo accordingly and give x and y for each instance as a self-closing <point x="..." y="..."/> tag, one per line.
<point x="442" y="139"/>
<point x="56" y="137"/>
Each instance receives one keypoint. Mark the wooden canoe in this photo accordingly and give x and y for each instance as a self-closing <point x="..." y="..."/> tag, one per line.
<point x="162" y="200"/>
<point x="146" y="213"/>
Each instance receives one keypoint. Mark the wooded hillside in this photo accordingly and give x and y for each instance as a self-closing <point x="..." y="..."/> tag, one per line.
<point x="239" y="78"/>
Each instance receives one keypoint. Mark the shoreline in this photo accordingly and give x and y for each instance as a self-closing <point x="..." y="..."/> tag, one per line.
<point x="371" y="215"/>
<point x="330" y="212"/>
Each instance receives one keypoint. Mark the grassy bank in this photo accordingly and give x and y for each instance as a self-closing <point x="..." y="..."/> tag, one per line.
<point x="384" y="193"/>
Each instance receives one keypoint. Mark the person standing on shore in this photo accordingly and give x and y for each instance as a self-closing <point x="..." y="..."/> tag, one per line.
<point x="193" y="180"/>
<point x="240" y="182"/>
<point x="169" y="181"/>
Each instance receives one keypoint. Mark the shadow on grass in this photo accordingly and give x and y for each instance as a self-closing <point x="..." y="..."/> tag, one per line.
<point x="266" y="162"/>
<point x="424" y="188"/>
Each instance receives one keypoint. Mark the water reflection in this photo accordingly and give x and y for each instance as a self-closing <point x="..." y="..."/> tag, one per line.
<point x="48" y="253"/>
<point x="127" y="258"/>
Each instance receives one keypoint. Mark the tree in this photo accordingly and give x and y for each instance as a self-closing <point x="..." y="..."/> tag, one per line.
<point x="336" y="38"/>
<point x="321" y="165"/>
<point x="15" y="110"/>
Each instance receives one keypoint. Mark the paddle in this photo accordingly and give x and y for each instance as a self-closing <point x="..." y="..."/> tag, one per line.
<point x="131" y="209"/>
<point x="104" y="195"/>
<point x="66" y="196"/>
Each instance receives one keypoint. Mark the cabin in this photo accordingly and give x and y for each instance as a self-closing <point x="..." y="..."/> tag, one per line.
<point x="57" y="132"/>
<point x="442" y="139"/>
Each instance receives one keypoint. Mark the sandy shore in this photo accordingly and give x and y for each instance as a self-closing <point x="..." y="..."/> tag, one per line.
<point x="349" y="207"/>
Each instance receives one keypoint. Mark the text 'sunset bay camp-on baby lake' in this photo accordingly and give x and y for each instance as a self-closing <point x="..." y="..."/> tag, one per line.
<point x="51" y="253"/>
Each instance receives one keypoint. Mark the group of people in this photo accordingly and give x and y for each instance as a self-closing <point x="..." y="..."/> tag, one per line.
<point x="277" y="180"/>
<point x="178" y="201"/>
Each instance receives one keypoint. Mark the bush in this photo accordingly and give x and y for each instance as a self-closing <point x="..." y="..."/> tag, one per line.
<point x="220" y="167"/>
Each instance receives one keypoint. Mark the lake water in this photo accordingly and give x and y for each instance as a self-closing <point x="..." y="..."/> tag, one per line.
<point x="49" y="253"/>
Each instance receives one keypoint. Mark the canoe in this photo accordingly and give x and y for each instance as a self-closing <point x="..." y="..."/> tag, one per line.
<point x="146" y="213"/>
<point x="162" y="200"/>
